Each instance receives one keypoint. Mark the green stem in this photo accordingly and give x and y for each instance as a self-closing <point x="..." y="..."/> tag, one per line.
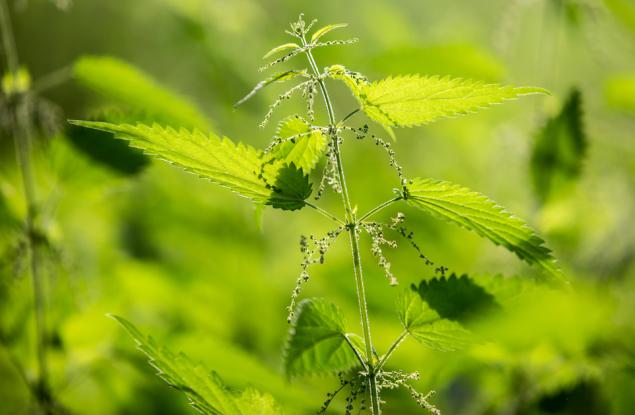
<point x="352" y="232"/>
<point x="325" y="213"/>
<point x="23" y="149"/>
<point x="393" y="347"/>
<point x="379" y="207"/>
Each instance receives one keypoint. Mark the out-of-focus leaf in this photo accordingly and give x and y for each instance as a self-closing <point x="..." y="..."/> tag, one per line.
<point x="482" y="215"/>
<point x="559" y="149"/>
<point x="326" y="29"/>
<point x="205" y="390"/>
<point x="457" y="298"/>
<point x="427" y="327"/>
<point x="237" y="167"/>
<point x="624" y="11"/>
<point x="620" y="93"/>
<point x="304" y="151"/>
<point x="127" y="86"/>
<point x="317" y="343"/>
<point x="459" y="60"/>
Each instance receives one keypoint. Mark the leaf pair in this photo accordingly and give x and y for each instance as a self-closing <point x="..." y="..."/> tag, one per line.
<point x="237" y="167"/>
<point x="205" y="390"/>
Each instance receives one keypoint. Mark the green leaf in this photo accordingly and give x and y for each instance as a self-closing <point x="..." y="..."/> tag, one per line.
<point x="317" y="343"/>
<point x="559" y="149"/>
<point x="205" y="390"/>
<point x="237" y="167"/>
<point x="326" y="29"/>
<point x="279" y="77"/>
<point x="125" y="85"/>
<point x="620" y="92"/>
<point x="305" y="151"/>
<point x="280" y="48"/>
<point x="457" y="298"/>
<point x="482" y="215"/>
<point x="427" y="327"/>
<point x="406" y="101"/>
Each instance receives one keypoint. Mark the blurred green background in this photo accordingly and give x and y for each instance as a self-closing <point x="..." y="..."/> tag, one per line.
<point x="201" y="270"/>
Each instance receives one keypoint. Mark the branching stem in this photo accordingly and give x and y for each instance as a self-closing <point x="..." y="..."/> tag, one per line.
<point x="325" y="213"/>
<point x="352" y="232"/>
<point x="404" y="334"/>
<point x="379" y="207"/>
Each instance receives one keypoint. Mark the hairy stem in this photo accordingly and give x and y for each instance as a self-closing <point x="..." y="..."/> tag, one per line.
<point x="352" y="232"/>
<point x="392" y="348"/>
<point x="325" y="213"/>
<point x="379" y="207"/>
<point x="22" y="137"/>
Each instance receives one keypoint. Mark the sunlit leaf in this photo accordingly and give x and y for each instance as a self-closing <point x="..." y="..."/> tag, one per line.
<point x="317" y="343"/>
<point x="620" y="93"/>
<point x="279" y="77"/>
<point x="205" y="390"/>
<point x="237" y="167"/>
<point x="559" y="149"/>
<point x="326" y="29"/>
<point x="280" y="48"/>
<point x="427" y="327"/>
<point x="477" y="213"/>
<point x="406" y="101"/>
<point x="304" y="151"/>
<point x="126" y="86"/>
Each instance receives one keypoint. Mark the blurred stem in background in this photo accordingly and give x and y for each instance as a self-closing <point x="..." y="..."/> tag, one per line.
<point x="20" y="108"/>
<point x="351" y="226"/>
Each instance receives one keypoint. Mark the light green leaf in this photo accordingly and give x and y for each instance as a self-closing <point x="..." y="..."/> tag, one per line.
<point x="304" y="151"/>
<point x="326" y="29"/>
<point x="237" y="167"/>
<point x="620" y="92"/>
<point x="406" y="101"/>
<point x="205" y="390"/>
<point x="316" y="343"/>
<point x="427" y="327"/>
<point x="280" y="48"/>
<point x="279" y="77"/>
<point x="559" y="149"/>
<point x="125" y="85"/>
<point x="477" y="213"/>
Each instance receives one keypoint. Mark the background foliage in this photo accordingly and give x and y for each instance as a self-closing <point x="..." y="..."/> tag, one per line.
<point x="209" y="275"/>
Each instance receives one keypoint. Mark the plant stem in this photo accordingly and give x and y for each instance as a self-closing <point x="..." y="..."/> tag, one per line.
<point x="325" y="213"/>
<point x="379" y="207"/>
<point x="393" y="347"/>
<point x="22" y="138"/>
<point x="352" y="232"/>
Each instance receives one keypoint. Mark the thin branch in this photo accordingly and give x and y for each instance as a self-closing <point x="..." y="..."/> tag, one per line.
<point x="393" y="347"/>
<point x="379" y="207"/>
<point x="325" y="213"/>
<point x="359" y="357"/>
<point x="349" y="116"/>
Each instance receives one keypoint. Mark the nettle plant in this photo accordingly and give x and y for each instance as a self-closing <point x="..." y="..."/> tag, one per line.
<point x="278" y="176"/>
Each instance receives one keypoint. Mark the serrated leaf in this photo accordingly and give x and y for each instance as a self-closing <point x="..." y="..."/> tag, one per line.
<point x="326" y="29"/>
<point x="559" y="149"/>
<point x="305" y="151"/>
<point x="316" y="343"/>
<point x="279" y="77"/>
<point x="237" y="167"/>
<point x="205" y="390"/>
<point x="280" y="48"/>
<point x="482" y="215"/>
<point x="126" y="86"/>
<point x="406" y="101"/>
<point x="427" y="327"/>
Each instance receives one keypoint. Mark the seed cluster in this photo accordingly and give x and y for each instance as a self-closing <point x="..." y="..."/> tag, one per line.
<point x="313" y="252"/>
<point x="378" y="239"/>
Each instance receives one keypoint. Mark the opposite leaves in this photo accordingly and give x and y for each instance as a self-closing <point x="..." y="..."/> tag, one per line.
<point x="317" y="342"/>
<point x="406" y="101"/>
<point x="237" y="167"/>
<point x="482" y="215"/>
<point x="204" y="389"/>
<point x="427" y="327"/>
